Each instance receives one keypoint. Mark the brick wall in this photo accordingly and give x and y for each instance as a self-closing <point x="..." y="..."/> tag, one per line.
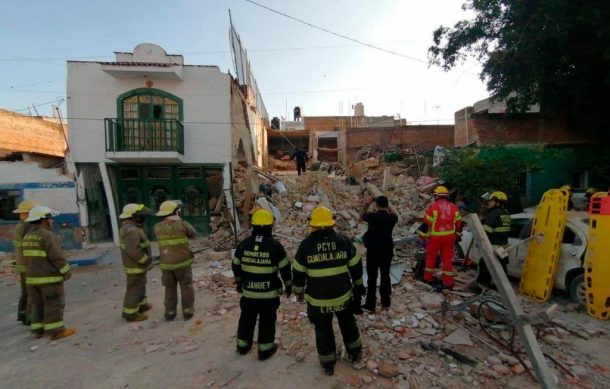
<point x="326" y="123"/>
<point x="489" y="129"/>
<point x="426" y="137"/>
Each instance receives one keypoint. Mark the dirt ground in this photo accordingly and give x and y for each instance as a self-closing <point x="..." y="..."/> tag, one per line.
<point x="107" y="352"/>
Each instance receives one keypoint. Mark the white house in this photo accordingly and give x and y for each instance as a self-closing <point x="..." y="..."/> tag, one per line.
<point x="147" y="128"/>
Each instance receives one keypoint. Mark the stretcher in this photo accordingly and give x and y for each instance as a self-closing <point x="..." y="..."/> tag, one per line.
<point x="597" y="262"/>
<point x="542" y="258"/>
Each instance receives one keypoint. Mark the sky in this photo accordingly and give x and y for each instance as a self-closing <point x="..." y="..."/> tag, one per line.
<point x="294" y="64"/>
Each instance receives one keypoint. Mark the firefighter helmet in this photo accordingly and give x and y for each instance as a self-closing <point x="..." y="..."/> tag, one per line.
<point x="40" y="212"/>
<point x="321" y="217"/>
<point x="498" y="196"/>
<point x="131" y="210"/>
<point x="26" y="206"/>
<point x="262" y="217"/>
<point x="168" y="207"/>
<point x="441" y="191"/>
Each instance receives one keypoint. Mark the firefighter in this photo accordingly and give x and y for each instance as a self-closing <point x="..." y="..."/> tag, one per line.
<point x="496" y="224"/>
<point x="300" y="156"/>
<point x="443" y="223"/>
<point x="47" y="269"/>
<point x="379" y="250"/>
<point x="255" y="265"/>
<point x="22" y="228"/>
<point x="176" y="259"/>
<point x="137" y="258"/>
<point x="327" y="273"/>
<point x="588" y="194"/>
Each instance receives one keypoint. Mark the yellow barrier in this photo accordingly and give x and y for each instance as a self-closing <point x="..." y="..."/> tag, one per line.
<point x="543" y="256"/>
<point x="597" y="263"/>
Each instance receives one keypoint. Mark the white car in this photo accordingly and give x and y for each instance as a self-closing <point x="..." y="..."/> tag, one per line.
<point x="570" y="272"/>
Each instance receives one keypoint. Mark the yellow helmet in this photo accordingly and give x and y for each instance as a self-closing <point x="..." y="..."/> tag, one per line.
<point x="566" y="187"/>
<point x="500" y="196"/>
<point x="321" y="217"/>
<point x="25" y="206"/>
<point x="262" y="217"/>
<point x="131" y="210"/>
<point x="441" y="191"/>
<point x="168" y="207"/>
<point x="40" y="212"/>
<point x="590" y="191"/>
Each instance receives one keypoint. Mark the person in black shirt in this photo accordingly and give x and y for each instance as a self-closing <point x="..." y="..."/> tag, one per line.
<point x="379" y="250"/>
<point x="301" y="159"/>
<point x="255" y="266"/>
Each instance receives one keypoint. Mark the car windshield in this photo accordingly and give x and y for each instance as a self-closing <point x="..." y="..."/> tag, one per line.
<point x="520" y="228"/>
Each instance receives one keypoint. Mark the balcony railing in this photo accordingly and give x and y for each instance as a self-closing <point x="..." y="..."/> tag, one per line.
<point x="144" y="135"/>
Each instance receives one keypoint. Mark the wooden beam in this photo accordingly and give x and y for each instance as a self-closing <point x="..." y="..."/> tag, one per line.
<point x="374" y="190"/>
<point x="526" y="333"/>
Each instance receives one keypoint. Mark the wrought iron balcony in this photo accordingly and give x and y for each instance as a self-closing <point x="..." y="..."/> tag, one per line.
<point x="142" y="135"/>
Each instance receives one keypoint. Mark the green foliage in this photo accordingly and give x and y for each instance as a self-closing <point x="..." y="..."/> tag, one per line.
<point x="475" y="171"/>
<point x="552" y="52"/>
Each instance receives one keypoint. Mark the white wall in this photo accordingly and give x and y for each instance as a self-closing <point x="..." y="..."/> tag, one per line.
<point x="92" y="94"/>
<point x="47" y="186"/>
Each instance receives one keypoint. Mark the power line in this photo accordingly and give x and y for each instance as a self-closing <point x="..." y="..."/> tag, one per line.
<point x="338" y="34"/>
<point x="59" y="100"/>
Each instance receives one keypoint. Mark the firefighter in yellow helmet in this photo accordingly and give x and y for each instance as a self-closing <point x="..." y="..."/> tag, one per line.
<point x="496" y="224"/>
<point x="22" y="228"/>
<point x="136" y="257"/>
<point x="327" y="272"/>
<point x="176" y="259"/>
<point x="47" y="269"/>
<point x="255" y="265"/>
<point x="588" y="194"/>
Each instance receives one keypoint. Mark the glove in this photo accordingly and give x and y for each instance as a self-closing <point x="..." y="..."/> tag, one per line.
<point x="68" y="275"/>
<point x="238" y="287"/>
<point x="458" y="238"/>
<point x="288" y="291"/>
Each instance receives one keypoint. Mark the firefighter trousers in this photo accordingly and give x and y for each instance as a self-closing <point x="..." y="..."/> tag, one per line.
<point x="135" y="295"/>
<point x="265" y="310"/>
<point x="445" y="245"/>
<point x="171" y="279"/>
<point x="322" y="319"/>
<point x="46" y="308"/>
<point x="484" y="278"/>
<point x="22" y="309"/>
<point x="378" y="261"/>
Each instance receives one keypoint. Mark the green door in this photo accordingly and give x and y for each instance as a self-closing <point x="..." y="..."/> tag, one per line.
<point x="152" y="185"/>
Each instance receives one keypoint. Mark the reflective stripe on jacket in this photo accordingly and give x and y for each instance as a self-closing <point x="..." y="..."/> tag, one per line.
<point x="326" y="267"/>
<point x="172" y="236"/>
<point x="443" y="218"/>
<point x="135" y="248"/>
<point x="21" y="229"/>
<point x="496" y="224"/>
<point x="46" y="262"/>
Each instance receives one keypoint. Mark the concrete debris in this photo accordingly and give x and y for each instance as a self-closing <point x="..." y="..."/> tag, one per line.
<point x="388" y="369"/>
<point x="459" y="337"/>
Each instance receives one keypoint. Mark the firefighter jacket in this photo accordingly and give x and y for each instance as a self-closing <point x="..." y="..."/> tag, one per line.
<point x="496" y="224"/>
<point x="20" y="231"/>
<point x="172" y="236"/>
<point x="443" y="218"/>
<point x="255" y="265"/>
<point x="326" y="264"/>
<point x="135" y="248"/>
<point x="46" y="263"/>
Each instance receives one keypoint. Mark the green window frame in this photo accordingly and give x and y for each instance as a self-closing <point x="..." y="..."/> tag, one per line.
<point x="156" y="97"/>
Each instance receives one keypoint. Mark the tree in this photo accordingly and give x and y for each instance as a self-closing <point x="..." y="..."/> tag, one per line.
<point x="552" y="52"/>
<point x="474" y="171"/>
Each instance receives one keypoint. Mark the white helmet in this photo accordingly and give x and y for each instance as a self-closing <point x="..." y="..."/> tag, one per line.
<point x="41" y="212"/>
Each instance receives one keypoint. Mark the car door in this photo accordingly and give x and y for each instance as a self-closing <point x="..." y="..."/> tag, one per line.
<point x="520" y="228"/>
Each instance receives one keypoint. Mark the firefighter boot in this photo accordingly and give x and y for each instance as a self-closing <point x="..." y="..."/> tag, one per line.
<point x="69" y="331"/>
<point x="329" y="368"/>
<point x="262" y="355"/>
<point x="170" y="316"/>
<point x="139" y="317"/>
<point x="145" y="307"/>
<point x="355" y="356"/>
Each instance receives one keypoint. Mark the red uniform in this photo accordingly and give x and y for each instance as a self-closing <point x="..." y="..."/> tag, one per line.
<point x="444" y="222"/>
